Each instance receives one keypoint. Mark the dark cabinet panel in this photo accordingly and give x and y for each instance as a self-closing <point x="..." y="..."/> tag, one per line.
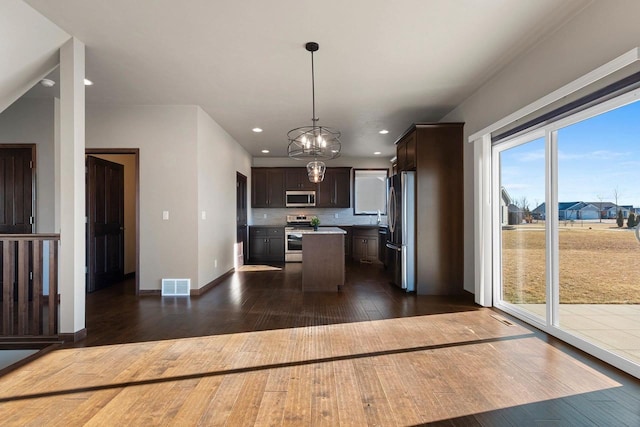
<point x="335" y="190"/>
<point x="382" y="242"/>
<point x="434" y="150"/>
<point x="267" y="187"/>
<point x="257" y="248"/>
<point x="348" y="241"/>
<point x="276" y="249"/>
<point x="298" y="179"/>
<point x="365" y="244"/>
<point x="266" y="244"/>
<point x="401" y="155"/>
<point x="410" y="147"/>
<point x="406" y="152"/>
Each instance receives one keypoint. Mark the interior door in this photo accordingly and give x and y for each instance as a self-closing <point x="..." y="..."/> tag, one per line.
<point x="241" y="218"/>
<point x="105" y="223"/>
<point x="16" y="190"/>
<point x="17" y="183"/>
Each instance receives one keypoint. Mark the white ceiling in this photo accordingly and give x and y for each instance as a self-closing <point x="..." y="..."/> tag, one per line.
<point x="28" y="49"/>
<point x="381" y="64"/>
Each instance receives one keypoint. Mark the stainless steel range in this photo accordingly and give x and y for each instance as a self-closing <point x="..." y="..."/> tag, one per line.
<point x="293" y="236"/>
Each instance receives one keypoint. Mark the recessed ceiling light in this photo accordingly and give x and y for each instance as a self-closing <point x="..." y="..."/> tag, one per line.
<point x="87" y="82"/>
<point x="265" y="151"/>
<point x="47" y="82"/>
<point x="257" y="130"/>
<point x="377" y="153"/>
<point x="383" y="132"/>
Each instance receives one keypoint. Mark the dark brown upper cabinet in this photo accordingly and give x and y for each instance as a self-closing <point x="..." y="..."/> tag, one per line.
<point x="298" y="179"/>
<point x="406" y="153"/>
<point x="335" y="190"/>
<point x="267" y="187"/>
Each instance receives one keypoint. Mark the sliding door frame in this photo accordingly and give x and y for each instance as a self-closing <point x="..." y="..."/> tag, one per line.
<point x="551" y="324"/>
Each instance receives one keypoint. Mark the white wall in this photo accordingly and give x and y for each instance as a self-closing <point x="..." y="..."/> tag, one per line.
<point x="31" y="121"/>
<point x="598" y="34"/>
<point x="188" y="164"/>
<point x="167" y="139"/>
<point x="219" y="157"/>
<point x="27" y="54"/>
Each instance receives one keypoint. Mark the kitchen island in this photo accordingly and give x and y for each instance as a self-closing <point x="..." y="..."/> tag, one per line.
<point x="323" y="260"/>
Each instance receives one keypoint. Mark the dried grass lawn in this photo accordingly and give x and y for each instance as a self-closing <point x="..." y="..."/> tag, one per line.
<point x="599" y="264"/>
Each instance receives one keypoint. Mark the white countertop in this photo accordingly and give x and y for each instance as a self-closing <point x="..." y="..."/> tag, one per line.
<point x="323" y="230"/>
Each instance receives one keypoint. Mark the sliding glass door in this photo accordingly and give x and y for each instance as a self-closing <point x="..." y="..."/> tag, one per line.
<point x="522" y="234"/>
<point x="599" y="256"/>
<point x="566" y="255"/>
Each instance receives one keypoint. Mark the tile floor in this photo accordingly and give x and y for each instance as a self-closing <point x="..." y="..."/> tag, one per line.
<point x="615" y="327"/>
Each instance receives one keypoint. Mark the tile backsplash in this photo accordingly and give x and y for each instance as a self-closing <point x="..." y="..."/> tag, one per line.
<point x="327" y="216"/>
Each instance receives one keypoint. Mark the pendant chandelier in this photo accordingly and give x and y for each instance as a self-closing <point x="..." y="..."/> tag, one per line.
<point x="316" y="170"/>
<point x="314" y="142"/>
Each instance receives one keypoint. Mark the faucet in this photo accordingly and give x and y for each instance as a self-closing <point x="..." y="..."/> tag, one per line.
<point x="379" y="217"/>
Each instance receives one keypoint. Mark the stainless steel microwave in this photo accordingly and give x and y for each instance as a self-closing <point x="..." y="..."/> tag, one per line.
<point x="300" y="199"/>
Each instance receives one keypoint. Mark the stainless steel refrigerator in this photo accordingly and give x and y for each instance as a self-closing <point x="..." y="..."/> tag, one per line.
<point x="401" y="237"/>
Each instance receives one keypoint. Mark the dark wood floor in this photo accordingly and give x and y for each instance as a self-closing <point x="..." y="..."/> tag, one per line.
<point x="255" y="301"/>
<point x="255" y="350"/>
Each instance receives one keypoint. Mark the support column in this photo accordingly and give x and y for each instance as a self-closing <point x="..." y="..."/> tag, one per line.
<point x="72" y="190"/>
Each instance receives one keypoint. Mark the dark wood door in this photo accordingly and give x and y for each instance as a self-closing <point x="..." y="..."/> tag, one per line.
<point x="105" y="223"/>
<point x="17" y="181"/>
<point x="16" y="190"/>
<point x="241" y="217"/>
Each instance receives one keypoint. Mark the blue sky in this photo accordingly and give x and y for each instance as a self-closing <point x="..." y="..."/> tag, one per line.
<point x="596" y="157"/>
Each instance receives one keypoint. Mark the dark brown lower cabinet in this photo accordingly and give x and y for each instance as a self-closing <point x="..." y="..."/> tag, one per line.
<point x="365" y="243"/>
<point x="266" y="244"/>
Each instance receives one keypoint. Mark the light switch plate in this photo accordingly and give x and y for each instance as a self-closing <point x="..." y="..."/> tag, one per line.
<point x="165" y="215"/>
<point x="204" y="214"/>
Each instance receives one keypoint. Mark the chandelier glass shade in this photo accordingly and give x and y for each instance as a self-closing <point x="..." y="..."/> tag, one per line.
<point x="316" y="170"/>
<point x="314" y="142"/>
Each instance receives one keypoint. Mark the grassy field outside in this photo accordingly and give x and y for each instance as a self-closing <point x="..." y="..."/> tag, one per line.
<point x="599" y="263"/>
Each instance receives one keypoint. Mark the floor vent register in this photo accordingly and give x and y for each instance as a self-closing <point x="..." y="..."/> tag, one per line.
<point x="176" y="287"/>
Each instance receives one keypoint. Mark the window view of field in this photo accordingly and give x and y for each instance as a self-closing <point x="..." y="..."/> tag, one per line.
<point x="523" y="252"/>
<point x="598" y="255"/>
<point x="598" y="190"/>
<point x="599" y="264"/>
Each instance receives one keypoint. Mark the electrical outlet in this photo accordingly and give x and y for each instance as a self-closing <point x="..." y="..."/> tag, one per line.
<point x="165" y="215"/>
<point x="204" y="214"/>
<point x="336" y="215"/>
<point x="264" y="216"/>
